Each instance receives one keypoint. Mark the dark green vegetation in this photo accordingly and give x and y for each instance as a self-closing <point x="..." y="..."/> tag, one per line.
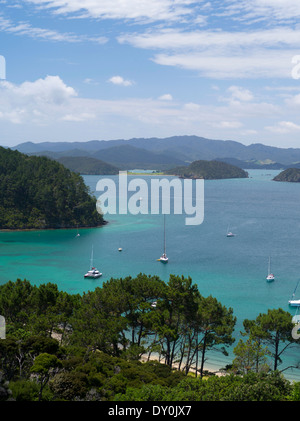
<point x="88" y="166"/>
<point x="209" y="170"/>
<point x="291" y="175"/>
<point x="37" y="192"/>
<point x="71" y="347"/>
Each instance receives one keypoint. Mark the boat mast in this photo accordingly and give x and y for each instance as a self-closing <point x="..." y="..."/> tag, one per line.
<point x="92" y="257"/>
<point x="295" y="289"/>
<point x="164" y="234"/>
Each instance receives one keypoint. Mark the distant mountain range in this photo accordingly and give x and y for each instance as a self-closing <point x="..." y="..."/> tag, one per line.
<point x="166" y="153"/>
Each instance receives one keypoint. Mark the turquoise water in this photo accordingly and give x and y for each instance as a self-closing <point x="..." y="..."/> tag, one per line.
<point x="262" y="213"/>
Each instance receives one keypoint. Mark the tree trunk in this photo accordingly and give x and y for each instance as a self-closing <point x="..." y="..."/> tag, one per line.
<point x="203" y="355"/>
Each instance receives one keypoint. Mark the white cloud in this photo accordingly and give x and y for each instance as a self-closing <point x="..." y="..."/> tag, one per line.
<point x="79" y="117"/>
<point x="50" y="103"/>
<point x="240" y="94"/>
<point x="119" y="80"/>
<point x="49" y="90"/>
<point x="191" y="106"/>
<point x="264" y="10"/>
<point x="166" y="97"/>
<point x="222" y="54"/>
<point x="196" y="40"/>
<point x="90" y="81"/>
<point x="219" y="65"/>
<point x="230" y="124"/>
<point x="284" y="127"/>
<point x="31" y="101"/>
<point x="25" y="28"/>
<point x="136" y="10"/>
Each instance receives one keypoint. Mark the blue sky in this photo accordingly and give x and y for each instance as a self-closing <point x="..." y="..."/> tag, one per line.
<point x="78" y="70"/>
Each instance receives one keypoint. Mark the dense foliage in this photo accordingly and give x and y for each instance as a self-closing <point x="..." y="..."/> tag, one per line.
<point x="91" y="347"/>
<point x="37" y="192"/>
<point x="87" y="165"/>
<point x="209" y="170"/>
<point x="291" y="175"/>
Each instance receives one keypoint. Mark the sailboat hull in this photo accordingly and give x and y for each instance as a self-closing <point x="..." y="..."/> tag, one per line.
<point x="93" y="274"/>
<point x="294" y="303"/>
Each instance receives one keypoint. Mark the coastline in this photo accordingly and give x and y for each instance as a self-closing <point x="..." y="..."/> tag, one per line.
<point x="212" y="368"/>
<point x="50" y="229"/>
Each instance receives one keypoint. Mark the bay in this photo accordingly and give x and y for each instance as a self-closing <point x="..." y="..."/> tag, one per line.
<point x="263" y="214"/>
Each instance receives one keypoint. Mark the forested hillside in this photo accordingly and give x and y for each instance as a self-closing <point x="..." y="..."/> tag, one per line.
<point x="209" y="170"/>
<point x="290" y="174"/>
<point x="37" y="192"/>
<point x="88" y="166"/>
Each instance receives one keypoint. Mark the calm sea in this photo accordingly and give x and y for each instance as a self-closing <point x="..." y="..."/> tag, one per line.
<point x="263" y="214"/>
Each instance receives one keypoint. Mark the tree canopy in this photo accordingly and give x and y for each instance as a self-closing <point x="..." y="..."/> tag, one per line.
<point x="135" y="338"/>
<point x="37" y="192"/>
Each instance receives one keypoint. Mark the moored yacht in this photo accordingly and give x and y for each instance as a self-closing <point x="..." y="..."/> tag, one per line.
<point x="164" y="258"/>
<point x="93" y="272"/>
<point x="293" y="302"/>
<point x="270" y="277"/>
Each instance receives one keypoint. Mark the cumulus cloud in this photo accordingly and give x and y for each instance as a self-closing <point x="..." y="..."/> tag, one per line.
<point x="33" y="100"/>
<point x="119" y="80"/>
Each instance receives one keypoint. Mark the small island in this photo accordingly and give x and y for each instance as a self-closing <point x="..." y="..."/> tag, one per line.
<point x="291" y="175"/>
<point x="209" y="170"/>
<point x="40" y="193"/>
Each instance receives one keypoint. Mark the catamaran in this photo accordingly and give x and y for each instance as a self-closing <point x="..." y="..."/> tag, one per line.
<point x="93" y="272"/>
<point x="164" y="258"/>
<point x="293" y="302"/>
<point x="270" y="276"/>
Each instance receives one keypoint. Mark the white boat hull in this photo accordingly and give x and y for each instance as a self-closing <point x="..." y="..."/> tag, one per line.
<point x="294" y="303"/>
<point x="93" y="274"/>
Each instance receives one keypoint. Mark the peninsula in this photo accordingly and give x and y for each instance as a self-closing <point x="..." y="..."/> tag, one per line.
<point x="291" y="175"/>
<point x="40" y="193"/>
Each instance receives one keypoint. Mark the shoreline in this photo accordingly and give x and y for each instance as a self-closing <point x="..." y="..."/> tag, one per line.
<point x="50" y="229"/>
<point x="211" y="367"/>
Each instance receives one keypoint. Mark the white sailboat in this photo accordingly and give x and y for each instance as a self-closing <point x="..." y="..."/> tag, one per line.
<point x="164" y="258"/>
<point x="293" y="302"/>
<point x="93" y="272"/>
<point x="270" y="276"/>
<point x="229" y="233"/>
